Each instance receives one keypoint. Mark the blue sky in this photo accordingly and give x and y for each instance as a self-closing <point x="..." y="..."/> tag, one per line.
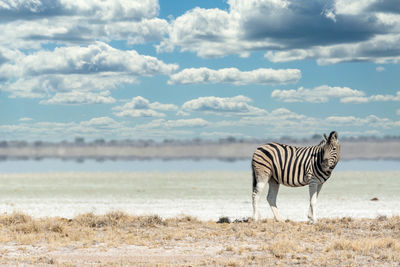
<point x="151" y="69"/>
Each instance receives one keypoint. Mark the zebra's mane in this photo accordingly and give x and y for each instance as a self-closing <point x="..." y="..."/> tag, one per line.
<point x="323" y="142"/>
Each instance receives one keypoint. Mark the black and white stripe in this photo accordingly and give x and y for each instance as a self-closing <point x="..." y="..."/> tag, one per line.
<point x="293" y="166"/>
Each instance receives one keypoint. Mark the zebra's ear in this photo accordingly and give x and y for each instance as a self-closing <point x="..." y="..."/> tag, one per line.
<point x="326" y="138"/>
<point x="333" y="136"/>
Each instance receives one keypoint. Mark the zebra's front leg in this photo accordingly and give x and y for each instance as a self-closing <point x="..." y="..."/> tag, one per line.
<point x="271" y="198"/>
<point x="314" y="189"/>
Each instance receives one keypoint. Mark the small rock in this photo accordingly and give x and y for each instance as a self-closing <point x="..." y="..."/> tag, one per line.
<point x="374" y="199"/>
<point x="224" y="220"/>
<point x="242" y="220"/>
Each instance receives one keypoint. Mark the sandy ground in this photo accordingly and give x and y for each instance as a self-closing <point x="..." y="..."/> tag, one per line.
<point x="102" y="254"/>
<point x="118" y="239"/>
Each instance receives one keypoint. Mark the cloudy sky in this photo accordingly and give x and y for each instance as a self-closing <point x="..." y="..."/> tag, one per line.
<point x="198" y="69"/>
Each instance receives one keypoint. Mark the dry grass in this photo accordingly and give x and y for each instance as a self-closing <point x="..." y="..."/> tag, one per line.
<point x="119" y="239"/>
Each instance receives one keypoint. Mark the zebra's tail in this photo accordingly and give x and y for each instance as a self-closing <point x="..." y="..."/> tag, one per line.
<point x="254" y="179"/>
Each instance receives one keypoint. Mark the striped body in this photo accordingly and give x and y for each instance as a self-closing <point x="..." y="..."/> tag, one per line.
<point x="291" y="165"/>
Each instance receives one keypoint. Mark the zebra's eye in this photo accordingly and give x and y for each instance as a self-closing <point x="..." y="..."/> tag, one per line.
<point x="334" y="148"/>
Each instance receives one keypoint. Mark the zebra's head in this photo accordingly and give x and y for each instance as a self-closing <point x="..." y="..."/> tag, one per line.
<point x="331" y="153"/>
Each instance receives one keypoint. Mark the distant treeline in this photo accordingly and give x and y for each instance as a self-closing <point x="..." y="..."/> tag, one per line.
<point x="230" y="148"/>
<point x="80" y="141"/>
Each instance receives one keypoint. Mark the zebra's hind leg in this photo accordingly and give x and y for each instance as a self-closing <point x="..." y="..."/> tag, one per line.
<point x="258" y="186"/>
<point x="257" y="190"/>
<point x="271" y="198"/>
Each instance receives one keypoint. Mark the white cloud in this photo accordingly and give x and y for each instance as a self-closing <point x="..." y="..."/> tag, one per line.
<point x="369" y="121"/>
<point x="33" y="34"/>
<point x="100" y="9"/>
<point x="75" y="70"/>
<point x="380" y="49"/>
<point x="225" y="106"/>
<point x="355" y="99"/>
<point x="343" y="120"/>
<point x="235" y="76"/>
<point x="44" y="86"/>
<point x="182" y="113"/>
<point x="380" y="69"/>
<point x="101" y="122"/>
<point x="203" y="31"/>
<point x="318" y="94"/>
<point x="142" y="107"/>
<point x="139" y="113"/>
<point x="95" y="58"/>
<point x="25" y="119"/>
<point x="330" y="32"/>
<point x="31" y="23"/>
<point x="195" y="122"/>
<point x="372" y="98"/>
<point x="324" y="93"/>
<point x="147" y="30"/>
<point x="353" y="7"/>
<point x="398" y="112"/>
<point x="101" y="127"/>
<point x="79" y="97"/>
<point x="181" y="123"/>
<point x="222" y="134"/>
<point x="280" y="119"/>
<point x="165" y="107"/>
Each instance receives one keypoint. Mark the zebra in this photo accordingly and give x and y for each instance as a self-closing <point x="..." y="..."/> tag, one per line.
<point x="293" y="166"/>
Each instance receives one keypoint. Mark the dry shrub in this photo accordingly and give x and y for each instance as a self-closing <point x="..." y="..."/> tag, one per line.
<point x="150" y="221"/>
<point x="115" y="218"/>
<point x="20" y="223"/>
<point x="87" y="219"/>
<point x="56" y="227"/>
<point x="14" y="218"/>
<point x="28" y="227"/>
